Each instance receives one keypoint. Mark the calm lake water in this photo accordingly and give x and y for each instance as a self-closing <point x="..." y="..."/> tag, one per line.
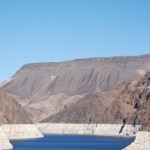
<point x="73" y="142"/>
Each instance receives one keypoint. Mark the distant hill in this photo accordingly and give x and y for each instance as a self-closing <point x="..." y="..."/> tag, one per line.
<point x="44" y="89"/>
<point x="10" y="111"/>
<point x="127" y="103"/>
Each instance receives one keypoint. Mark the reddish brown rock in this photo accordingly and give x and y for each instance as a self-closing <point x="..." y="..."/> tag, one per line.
<point x="146" y="126"/>
<point x="10" y="111"/>
<point x="128" y="103"/>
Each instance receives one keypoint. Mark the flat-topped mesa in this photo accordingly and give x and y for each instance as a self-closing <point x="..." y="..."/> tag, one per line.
<point x="90" y="61"/>
<point x="59" y="85"/>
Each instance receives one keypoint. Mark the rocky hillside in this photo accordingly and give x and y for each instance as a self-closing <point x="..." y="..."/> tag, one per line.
<point x="146" y="126"/>
<point x="10" y="111"/>
<point x="127" y="103"/>
<point x="45" y="89"/>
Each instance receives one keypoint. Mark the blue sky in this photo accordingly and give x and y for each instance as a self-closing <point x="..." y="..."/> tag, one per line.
<point x="58" y="30"/>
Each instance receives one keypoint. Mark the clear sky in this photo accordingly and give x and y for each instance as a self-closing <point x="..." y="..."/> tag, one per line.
<point x="58" y="30"/>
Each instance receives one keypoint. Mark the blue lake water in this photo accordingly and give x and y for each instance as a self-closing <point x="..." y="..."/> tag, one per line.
<point x="73" y="142"/>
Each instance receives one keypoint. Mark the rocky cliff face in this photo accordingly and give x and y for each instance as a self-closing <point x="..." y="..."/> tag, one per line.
<point x="10" y="111"/>
<point x="146" y="126"/>
<point x="45" y="89"/>
<point x="128" y="103"/>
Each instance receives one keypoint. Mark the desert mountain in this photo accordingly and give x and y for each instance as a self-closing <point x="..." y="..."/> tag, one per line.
<point x="128" y="103"/>
<point x="10" y="111"/>
<point x="44" y="89"/>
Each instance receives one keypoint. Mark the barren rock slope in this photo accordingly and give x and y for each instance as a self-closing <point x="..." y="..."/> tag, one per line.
<point x="10" y="111"/>
<point x="47" y="88"/>
<point x="127" y="103"/>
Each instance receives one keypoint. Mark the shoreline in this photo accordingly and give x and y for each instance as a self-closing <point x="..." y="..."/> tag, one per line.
<point x="20" y="132"/>
<point x="142" y="142"/>
<point x="101" y="130"/>
<point x="89" y="129"/>
<point x="93" y="135"/>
